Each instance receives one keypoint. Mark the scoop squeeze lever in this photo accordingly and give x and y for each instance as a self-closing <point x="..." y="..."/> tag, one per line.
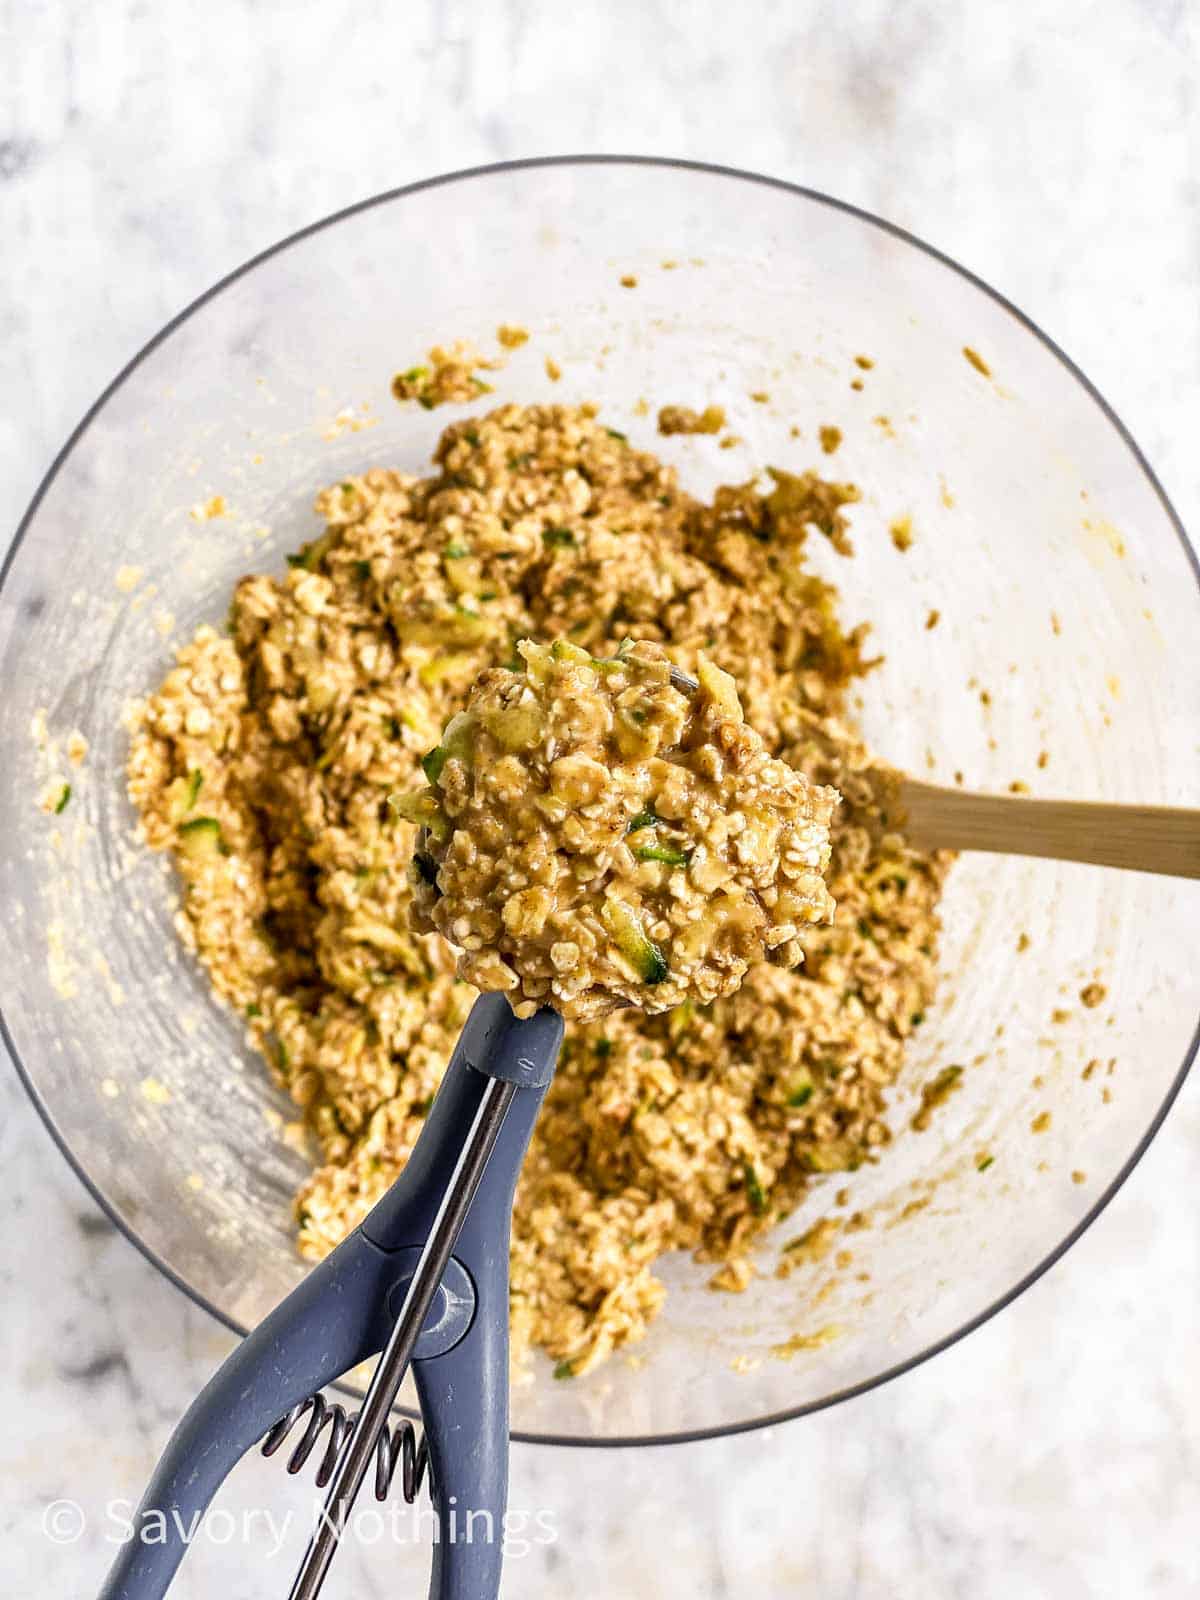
<point x="423" y="1278"/>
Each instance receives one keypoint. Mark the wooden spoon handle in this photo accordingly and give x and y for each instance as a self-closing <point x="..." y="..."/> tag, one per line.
<point x="1144" y="838"/>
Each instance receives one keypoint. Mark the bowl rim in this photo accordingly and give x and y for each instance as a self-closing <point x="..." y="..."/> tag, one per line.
<point x="669" y="164"/>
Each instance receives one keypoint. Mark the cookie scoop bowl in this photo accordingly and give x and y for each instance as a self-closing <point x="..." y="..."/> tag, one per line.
<point x="1067" y="613"/>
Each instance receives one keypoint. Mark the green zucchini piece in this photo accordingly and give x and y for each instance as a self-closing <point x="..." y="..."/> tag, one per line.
<point x="432" y="764"/>
<point x="630" y="939"/>
<point x="458" y="736"/>
<point x="801" y="1091"/>
<point x="755" y="1192"/>
<point x="664" y="853"/>
<point x="311" y="555"/>
<point x="422" y="809"/>
<point x="201" y="839"/>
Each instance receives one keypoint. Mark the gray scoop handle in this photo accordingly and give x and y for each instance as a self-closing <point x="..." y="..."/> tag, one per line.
<point x="342" y="1314"/>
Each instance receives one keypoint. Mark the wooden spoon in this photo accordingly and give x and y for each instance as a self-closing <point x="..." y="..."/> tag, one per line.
<point x="1143" y="838"/>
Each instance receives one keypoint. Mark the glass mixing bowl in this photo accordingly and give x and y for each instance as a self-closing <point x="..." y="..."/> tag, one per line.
<point x="1067" y="597"/>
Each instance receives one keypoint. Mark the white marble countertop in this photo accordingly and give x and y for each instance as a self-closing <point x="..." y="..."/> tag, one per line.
<point x="145" y="151"/>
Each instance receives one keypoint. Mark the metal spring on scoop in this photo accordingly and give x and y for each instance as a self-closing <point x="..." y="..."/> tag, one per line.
<point x="398" y="1446"/>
